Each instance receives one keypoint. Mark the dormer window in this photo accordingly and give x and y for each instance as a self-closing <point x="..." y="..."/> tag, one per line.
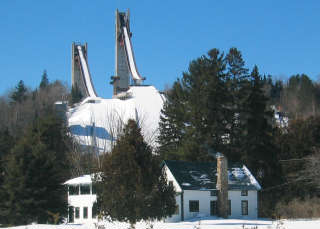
<point x="244" y="192"/>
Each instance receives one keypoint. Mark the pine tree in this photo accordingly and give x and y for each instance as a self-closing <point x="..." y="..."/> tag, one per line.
<point x="171" y="125"/>
<point x="238" y="87"/>
<point x="20" y="92"/>
<point x="6" y="143"/>
<point x="258" y="146"/>
<point x="201" y="110"/>
<point x="44" y="80"/>
<point x="142" y="192"/>
<point x="33" y="182"/>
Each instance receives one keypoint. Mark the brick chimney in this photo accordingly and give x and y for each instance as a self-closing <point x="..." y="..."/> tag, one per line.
<point x="222" y="185"/>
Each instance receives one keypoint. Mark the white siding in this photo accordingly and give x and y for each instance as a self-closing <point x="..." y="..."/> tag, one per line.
<point x="204" y="203"/>
<point x="204" y="199"/>
<point x="82" y="201"/>
<point x="170" y="177"/>
<point x="236" y="198"/>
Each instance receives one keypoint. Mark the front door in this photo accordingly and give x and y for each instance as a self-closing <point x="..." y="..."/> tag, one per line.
<point x="71" y="214"/>
<point x="213" y="207"/>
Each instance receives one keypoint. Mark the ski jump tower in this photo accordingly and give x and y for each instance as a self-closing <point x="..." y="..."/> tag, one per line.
<point x="80" y="74"/>
<point x="125" y="64"/>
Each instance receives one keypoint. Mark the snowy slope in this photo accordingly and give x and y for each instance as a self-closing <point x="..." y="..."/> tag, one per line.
<point x="205" y="223"/>
<point x="104" y="118"/>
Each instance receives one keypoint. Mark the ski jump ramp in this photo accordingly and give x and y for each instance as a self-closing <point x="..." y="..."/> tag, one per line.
<point x="95" y="123"/>
<point x="81" y="77"/>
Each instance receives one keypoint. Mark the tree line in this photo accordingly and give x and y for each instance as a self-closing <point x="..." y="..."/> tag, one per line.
<point x="219" y="105"/>
<point x="37" y="155"/>
<point x="34" y="149"/>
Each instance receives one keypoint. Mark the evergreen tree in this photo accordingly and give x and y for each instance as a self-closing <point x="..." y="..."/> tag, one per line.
<point x="193" y="108"/>
<point x="258" y="147"/>
<point x="44" y="80"/>
<point x="276" y="91"/>
<point x="238" y="83"/>
<point x="33" y="188"/>
<point x="20" y="92"/>
<point x="202" y="110"/>
<point x="142" y="191"/>
<point x="172" y="125"/>
<point x="6" y="143"/>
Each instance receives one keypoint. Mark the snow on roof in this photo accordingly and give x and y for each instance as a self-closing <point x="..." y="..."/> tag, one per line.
<point x="253" y="180"/>
<point x="104" y="118"/>
<point x="203" y="175"/>
<point x="85" y="179"/>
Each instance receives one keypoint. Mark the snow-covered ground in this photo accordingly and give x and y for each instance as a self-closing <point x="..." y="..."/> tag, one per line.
<point x="204" y="223"/>
<point x="97" y="121"/>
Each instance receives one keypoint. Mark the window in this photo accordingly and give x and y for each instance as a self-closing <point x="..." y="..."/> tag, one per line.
<point x="85" y="212"/>
<point x="77" y="215"/>
<point x="171" y="183"/>
<point x="244" y="207"/>
<point x="213" y="207"/>
<point x="229" y="207"/>
<point x="176" y="212"/>
<point x="94" y="188"/>
<point x="193" y="205"/>
<point x="84" y="189"/>
<point x="74" y="190"/>
<point x="213" y="193"/>
<point x="244" y="192"/>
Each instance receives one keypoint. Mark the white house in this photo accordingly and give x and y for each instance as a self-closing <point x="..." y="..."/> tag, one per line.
<point x="196" y="189"/>
<point x="81" y="199"/>
<point x="197" y="194"/>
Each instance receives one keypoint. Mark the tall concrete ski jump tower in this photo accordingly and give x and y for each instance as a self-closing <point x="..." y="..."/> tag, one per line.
<point x="80" y="74"/>
<point x="125" y="64"/>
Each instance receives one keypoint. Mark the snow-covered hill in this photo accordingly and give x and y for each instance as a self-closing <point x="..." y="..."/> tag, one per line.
<point x="97" y="121"/>
<point x="205" y="223"/>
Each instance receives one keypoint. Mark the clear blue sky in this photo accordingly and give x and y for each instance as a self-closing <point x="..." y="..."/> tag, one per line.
<point x="281" y="37"/>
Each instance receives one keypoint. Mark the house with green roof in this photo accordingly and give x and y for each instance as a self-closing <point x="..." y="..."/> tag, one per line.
<point x="197" y="192"/>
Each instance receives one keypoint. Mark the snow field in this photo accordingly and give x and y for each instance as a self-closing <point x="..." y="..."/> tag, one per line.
<point x="204" y="223"/>
<point x="102" y="118"/>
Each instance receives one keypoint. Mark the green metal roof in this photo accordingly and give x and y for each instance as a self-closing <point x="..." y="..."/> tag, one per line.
<point x="203" y="175"/>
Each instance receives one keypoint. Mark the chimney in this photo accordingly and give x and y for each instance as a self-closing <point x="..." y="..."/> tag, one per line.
<point x="222" y="185"/>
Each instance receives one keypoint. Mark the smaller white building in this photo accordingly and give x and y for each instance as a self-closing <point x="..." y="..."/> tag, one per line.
<point x="197" y="194"/>
<point x="81" y="200"/>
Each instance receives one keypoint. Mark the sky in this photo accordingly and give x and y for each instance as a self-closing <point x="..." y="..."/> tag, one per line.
<point x="281" y="37"/>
